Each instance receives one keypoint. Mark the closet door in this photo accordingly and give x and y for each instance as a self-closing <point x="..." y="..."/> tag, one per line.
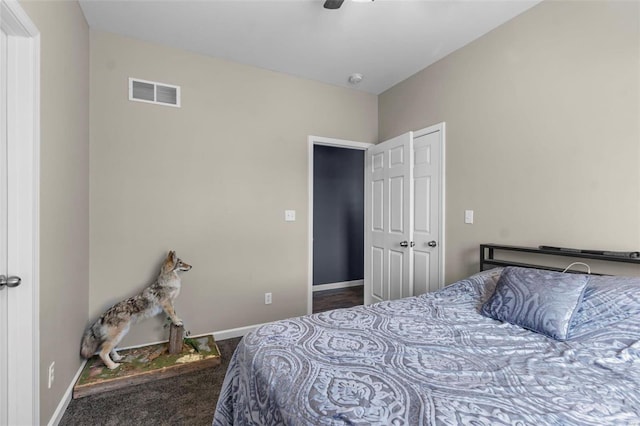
<point x="389" y="220"/>
<point x="426" y="231"/>
<point x="404" y="213"/>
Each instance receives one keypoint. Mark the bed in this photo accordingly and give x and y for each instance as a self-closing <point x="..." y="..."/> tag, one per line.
<point x="442" y="359"/>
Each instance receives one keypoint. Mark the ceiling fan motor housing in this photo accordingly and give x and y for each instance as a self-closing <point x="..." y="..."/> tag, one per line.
<point x="333" y="4"/>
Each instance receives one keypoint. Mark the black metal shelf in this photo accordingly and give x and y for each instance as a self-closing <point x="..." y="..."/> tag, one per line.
<point x="487" y="253"/>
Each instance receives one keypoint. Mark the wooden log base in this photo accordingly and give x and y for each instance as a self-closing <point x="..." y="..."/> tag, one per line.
<point x="146" y="364"/>
<point x="176" y="334"/>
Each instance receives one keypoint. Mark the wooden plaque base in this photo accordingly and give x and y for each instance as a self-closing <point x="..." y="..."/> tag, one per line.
<point x="146" y="364"/>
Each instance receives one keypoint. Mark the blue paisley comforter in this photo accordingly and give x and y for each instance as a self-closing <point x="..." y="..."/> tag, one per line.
<point x="431" y="360"/>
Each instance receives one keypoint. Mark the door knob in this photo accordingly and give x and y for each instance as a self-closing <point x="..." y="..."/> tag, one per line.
<point x="404" y="244"/>
<point x="10" y="281"/>
<point x="432" y="244"/>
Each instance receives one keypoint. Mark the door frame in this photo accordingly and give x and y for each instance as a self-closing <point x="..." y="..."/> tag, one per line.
<point x="23" y="118"/>
<point x="441" y="199"/>
<point x="338" y="143"/>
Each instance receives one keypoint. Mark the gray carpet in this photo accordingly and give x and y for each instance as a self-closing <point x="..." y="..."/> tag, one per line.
<point x="189" y="399"/>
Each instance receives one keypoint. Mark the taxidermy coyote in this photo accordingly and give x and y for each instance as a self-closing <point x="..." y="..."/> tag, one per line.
<point x="114" y="324"/>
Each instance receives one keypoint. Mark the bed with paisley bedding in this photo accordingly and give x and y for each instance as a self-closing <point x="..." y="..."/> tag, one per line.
<point x="512" y="346"/>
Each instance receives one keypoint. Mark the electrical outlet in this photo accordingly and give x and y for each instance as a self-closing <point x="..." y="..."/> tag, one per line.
<point x="52" y="373"/>
<point x="267" y="298"/>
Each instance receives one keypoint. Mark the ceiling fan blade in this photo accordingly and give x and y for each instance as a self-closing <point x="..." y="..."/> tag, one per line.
<point x="333" y="4"/>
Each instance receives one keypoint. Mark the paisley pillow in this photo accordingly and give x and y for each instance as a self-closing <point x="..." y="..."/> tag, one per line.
<point x="607" y="300"/>
<point x="538" y="300"/>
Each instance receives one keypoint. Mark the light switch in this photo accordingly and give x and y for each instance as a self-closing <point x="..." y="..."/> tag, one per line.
<point x="468" y="216"/>
<point x="290" y="215"/>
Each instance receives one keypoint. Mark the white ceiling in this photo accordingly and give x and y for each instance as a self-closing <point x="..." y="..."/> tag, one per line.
<point x="386" y="40"/>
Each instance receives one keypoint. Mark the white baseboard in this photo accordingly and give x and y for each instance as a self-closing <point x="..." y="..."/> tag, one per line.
<point x="66" y="399"/>
<point x="217" y="335"/>
<point x="333" y="286"/>
<point x="235" y="332"/>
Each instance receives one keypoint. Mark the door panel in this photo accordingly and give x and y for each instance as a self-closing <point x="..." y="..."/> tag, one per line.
<point x="377" y="273"/>
<point x="426" y="175"/>
<point x="396" y="274"/>
<point x="422" y="195"/>
<point x="4" y="320"/>
<point x="388" y="220"/>
<point x="396" y="205"/>
<point x="421" y="261"/>
<point x="377" y="196"/>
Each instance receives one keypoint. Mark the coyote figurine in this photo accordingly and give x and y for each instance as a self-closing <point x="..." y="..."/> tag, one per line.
<point x="114" y="324"/>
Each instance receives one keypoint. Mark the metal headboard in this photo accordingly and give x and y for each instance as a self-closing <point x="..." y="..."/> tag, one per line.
<point x="488" y="256"/>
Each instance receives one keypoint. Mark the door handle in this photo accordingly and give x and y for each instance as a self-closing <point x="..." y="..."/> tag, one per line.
<point x="9" y="281"/>
<point x="432" y="244"/>
<point x="407" y="244"/>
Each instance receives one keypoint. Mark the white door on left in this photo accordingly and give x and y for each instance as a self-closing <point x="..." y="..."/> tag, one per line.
<point x="19" y="250"/>
<point x="4" y="320"/>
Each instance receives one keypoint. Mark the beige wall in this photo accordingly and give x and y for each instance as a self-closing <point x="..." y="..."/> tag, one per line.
<point x="211" y="180"/>
<point x="543" y="138"/>
<point x="64" y="192"/>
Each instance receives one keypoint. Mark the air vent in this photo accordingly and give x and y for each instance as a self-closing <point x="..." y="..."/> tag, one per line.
<point x="153" y="92"/>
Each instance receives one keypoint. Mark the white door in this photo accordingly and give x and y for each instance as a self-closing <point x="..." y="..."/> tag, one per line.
<point x="19" y="129"/>
<point x="4" y="383"/>
<point x="427" y="191"/>
<point x="388" y="220"/>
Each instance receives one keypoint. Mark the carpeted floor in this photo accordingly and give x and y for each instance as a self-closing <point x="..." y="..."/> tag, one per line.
<point x="189" y="399"/>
